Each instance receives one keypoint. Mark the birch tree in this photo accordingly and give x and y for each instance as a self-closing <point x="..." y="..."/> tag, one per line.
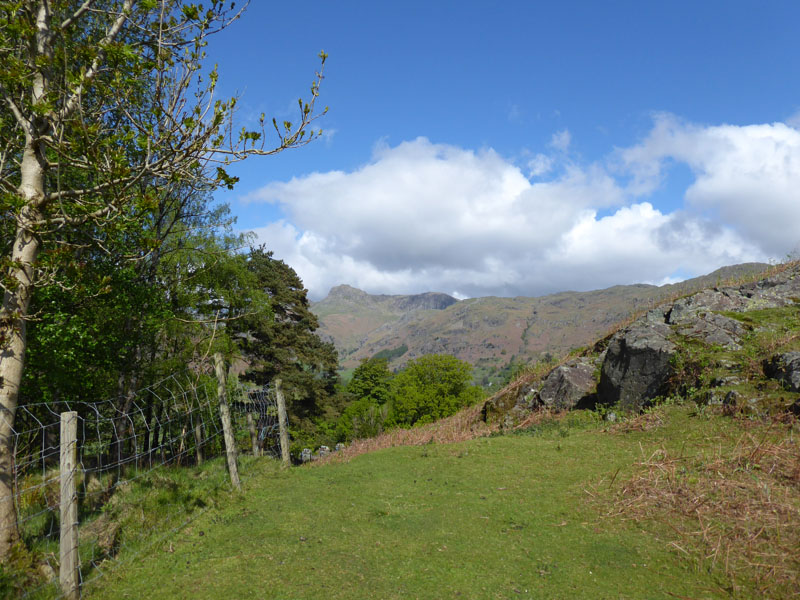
<point x="101" y="100"/>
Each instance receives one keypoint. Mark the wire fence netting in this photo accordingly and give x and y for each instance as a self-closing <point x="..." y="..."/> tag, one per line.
<point x="173" y="423"/>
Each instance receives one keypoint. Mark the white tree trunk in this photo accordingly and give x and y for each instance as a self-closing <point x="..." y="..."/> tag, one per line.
<point x="13" y="338"/>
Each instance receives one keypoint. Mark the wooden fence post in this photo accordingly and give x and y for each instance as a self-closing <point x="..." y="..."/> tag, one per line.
<point x="198" y="441"/>
<point x="68" y="542"/>
<point x="283" y="422"/>
<point x="224" y="412"/>
<point x="251" y="426"/>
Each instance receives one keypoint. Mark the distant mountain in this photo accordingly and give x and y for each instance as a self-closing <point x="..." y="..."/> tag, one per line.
<point x="488" y="332"/>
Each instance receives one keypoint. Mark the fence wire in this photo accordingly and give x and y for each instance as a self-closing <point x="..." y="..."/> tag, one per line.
<point x="174" y="422"/>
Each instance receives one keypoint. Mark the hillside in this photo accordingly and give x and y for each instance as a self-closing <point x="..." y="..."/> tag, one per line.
<point x="683" y="482"/>
<point x="488" y="332"/>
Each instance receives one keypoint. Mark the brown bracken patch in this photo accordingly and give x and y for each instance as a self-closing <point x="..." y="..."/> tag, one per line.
<point x="462" y="426"/>
<point x="736" y="512"/>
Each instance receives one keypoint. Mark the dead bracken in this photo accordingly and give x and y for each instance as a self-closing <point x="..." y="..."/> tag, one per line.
<point x="735" y="511"/>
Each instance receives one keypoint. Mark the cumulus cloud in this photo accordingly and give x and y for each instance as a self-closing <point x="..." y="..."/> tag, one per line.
<point x="422" y="216"/>
<point x="745" y="177"/>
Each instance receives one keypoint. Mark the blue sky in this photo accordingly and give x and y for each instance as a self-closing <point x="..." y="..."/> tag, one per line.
<point x="520" y="148"/>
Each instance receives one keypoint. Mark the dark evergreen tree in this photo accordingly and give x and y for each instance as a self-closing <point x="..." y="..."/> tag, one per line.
<point x="284" y="344"/>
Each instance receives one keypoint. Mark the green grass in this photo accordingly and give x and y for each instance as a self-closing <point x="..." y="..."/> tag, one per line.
<point x="501" y="517"/>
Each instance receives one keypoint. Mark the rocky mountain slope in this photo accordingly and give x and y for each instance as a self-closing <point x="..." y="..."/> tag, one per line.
<point x="488" y="332"/>
<point x="734" y="346"/>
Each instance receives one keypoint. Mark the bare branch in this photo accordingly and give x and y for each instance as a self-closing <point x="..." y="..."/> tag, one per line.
<point x="93" y="69"/>
<point x="77" y="14"/>
<point x="21" y="120"/>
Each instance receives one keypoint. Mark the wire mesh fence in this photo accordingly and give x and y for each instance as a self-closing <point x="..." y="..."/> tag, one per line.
<point x="173" y="423"/>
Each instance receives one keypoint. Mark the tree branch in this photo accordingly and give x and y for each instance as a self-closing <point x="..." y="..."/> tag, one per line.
<point x="77" y="14"/>
<point x="93" y="69"/>
<point x="21" y="120"/>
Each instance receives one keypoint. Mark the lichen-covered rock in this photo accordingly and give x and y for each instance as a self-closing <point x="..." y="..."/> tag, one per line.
<point x="637" y="365"/>
<point x="786" y="368"/>
<point x="713" y="329"/>
<point x="498" y="406"/>
<point x="568" y="384"/>
<point x="779" y="289"/>
<point x="686" y="309"/>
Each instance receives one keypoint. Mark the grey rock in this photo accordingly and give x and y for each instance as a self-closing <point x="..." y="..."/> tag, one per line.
<point x="713" y="328"/>
<point x="725" y="381"/>
<point x="685" y="310"/>
<point x="511" y="406"/>
<point x="729" y="365"/>
<point x="752" y="407"/>
<point x="785" y="368"/>
<point x="323" y="451"/>
<point x="598" y="361"/>
<point x="657" y="315"/>
<point x="528" y="397"/>
<point x="637" y="365"/>
<point x="721" y="397"/>
<point x="567" y="384"/>
<point x="779" y="289"/>
<point x="339" y="447"/>
<point x="497" y="407"/>
<point x="305" y="455"/>
<point x="611" y="417"/>
<point x="732" y="398"/>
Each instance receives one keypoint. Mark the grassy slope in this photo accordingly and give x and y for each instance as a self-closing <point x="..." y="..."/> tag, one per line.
<point x="500" y="517"/>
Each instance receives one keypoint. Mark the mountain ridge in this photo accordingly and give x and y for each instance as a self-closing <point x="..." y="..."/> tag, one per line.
<point x="490" y="332"/>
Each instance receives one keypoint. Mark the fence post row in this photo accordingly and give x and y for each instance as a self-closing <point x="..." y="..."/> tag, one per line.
<point x="68" y="543"/>
<point x="69" y="564"/>
<point x="225" y="413"/>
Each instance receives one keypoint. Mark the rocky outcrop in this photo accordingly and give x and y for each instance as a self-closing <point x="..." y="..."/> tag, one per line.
<point x="511" y="404"/>
<point x="563" y="388"/>
<point x="712" y="328"/>
<point x="637" y="365"/>
<point x="427" y="301"/>
<point x="785" y="368"/>
<point x="569" y="384"/>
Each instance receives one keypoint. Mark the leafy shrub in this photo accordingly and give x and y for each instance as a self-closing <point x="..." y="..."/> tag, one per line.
<point x="430" y="388"/>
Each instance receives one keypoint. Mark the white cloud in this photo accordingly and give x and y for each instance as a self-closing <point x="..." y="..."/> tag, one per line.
<point x="422" y="216"/>
<point x="561" y="140"/>
<point x="539" y="165"/>
<point x="794" y="120"/>
<point x="745" y="177"/>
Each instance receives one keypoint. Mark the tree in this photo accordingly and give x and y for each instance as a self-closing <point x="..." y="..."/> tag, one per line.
<point x="369" y="392"/>
<point x="430" y="388"/>
<point x="283" y="344"/>
<point x="104" y="103"/>
<point x="371" y="380"/>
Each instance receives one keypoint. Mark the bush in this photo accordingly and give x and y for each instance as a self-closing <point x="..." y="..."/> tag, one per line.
<point x="430" y="388"/>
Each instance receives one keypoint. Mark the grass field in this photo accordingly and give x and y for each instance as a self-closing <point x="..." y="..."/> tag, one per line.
<point x="553" y="511"/>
